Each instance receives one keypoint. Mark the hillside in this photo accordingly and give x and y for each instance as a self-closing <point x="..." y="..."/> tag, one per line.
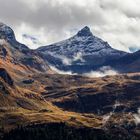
<point x="35" y="99"/>
<point x="93" y="103"/>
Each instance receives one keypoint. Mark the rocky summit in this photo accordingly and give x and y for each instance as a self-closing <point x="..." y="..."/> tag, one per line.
<point x="81" y="53"/>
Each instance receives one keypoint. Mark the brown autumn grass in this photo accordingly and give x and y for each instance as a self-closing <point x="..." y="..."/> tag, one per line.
<point x="33" y="103"/>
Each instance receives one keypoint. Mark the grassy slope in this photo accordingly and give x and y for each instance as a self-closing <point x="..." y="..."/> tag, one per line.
<point x="48" y="98"/>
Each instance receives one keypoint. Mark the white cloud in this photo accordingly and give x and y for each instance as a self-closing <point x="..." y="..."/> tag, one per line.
<point x="104" y="71"/>
<point x="78" y="56"/>
<point x="61" y="71"/>
<point x="68" y="61"/>
<point x="137" y="117"/>
<point x="65" y="60"/>
<point x="28" y="30"/>
<point x="117" y="22"/>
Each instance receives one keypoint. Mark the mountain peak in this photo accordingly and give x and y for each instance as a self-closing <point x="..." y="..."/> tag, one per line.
<point x="6" y="32"/>
<point x="85" y="32"/>
<point x="8" y="35"/>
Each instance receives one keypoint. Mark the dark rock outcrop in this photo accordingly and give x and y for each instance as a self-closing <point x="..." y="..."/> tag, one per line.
<point x="3" y="52"/>
<point x="3" y="89"/>
<point x="28" y="81"/>
<point x="6" y="77"/>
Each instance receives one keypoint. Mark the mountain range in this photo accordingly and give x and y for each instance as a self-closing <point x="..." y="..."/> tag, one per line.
<point x="85" y="52"/>
<point x="39" y="103"/>
<point x="79" y="54"/>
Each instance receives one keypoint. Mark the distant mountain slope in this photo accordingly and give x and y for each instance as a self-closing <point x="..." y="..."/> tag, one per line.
<point x="81" y="53"/>
<point x="16" y="53"/>
<point x="128" y="63"/>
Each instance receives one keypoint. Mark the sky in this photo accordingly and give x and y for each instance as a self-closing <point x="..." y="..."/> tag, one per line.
<point x="42" y="22"/>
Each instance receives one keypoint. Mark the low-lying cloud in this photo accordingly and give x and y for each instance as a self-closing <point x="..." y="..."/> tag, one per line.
<point x="61" y="71"/>
<point x="137" y="117"/>
<point x="65" y="60"/>
<point x="68" y="61"/>
<point x="104" y="71"/>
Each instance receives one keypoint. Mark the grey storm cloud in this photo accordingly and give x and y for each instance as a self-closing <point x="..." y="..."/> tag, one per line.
<point x="48" y="14"/>
<point x="117" y="22"/>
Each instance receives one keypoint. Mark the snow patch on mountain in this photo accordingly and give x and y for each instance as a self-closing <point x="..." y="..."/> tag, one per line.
<point x="84" y="43"/>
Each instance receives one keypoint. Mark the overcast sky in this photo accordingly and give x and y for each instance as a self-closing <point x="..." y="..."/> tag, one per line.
<point x="42" y="22"/>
